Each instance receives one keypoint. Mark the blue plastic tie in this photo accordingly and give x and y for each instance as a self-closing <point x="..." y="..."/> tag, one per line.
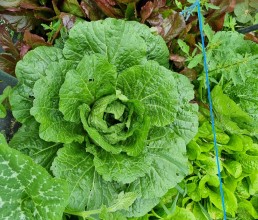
<point x="186" y="13"/>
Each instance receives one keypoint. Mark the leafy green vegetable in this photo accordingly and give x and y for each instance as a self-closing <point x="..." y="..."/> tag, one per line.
<point x="27" y="190"/>
<point x="106" y="116"/>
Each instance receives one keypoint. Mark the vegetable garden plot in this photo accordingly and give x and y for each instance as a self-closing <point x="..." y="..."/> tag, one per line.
<point x="105" y="117"/>
<point x="116" y="147"/>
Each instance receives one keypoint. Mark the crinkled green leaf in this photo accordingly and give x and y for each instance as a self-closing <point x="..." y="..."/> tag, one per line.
<point x="34" y="64"/>
<point x="27" y="141"/>
<point x="156" y="47"/>
<point x="123" y="201"/>
<point x="28" y="71"/>
<point x="87" y="189"/>
<point x="168" y="168"/>
<point x="121" y="167"/>
<point x="155" y="87"/>
<point x="21" y="101"/>
<point x="53" y="127"/>
<point x="105" y="215"/>
<point x="27" y="190"/>
<point x="123" y="49"/>
<point x="249" y="162"/>
<point x="186" y="121"/>
<point x="94" y="78"/>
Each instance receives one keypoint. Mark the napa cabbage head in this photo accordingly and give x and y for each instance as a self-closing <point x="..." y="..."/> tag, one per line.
<point x="106" y="115"/>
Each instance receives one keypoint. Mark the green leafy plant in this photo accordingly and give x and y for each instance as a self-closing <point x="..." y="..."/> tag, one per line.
<point x="105" y="115"/>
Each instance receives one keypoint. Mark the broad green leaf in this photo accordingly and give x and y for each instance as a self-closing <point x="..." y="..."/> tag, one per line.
<point x="235" y="143"/>
<point x="31" y="68"/>
<point x="168" y="168"/>
<point x="155" y="87"/>
<point x="249" y="162"/>
<point x="233" y="167"/>
<point x="193" y="150"/>
<point x="246" y="210"/>
<point x="156" y="47"/>
<point x="253" y="185"/>
<point x="21" y="101"/>
<point x="53" y="127"/>
<point x="27" y="190"/>
<point x="230" y="200"/>
<point x="87" y="189"/>
<point x="27" y="141"/>
<point x="186" y="121"/>
<point x="121" y="167"/>
<point x="34" y="64"/>
<point x="94" y="78"/>
<point x="206" y="182"/>
<point x="119" y="44"/>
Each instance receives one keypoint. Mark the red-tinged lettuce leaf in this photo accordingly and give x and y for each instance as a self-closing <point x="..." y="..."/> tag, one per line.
<point x="109" y="9"/>
<point x="20" y="20"/>
<point x="33" y="40"/>
<point x="33" y="5"/>
<point x="11" y="56"/>
<point x="146" y="11"/>
<point x="216" y="17"/>
<point x="91" y="10"/>
<point x="7" y="43"/>
<point x="7" y="63"/>
<point x="251" y="37"/>
<point x="169" y="26"/>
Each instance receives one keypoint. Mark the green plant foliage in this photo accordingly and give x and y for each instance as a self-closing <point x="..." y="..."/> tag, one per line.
<point x="27" y="190"/>
<point x="105" y="115"/>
